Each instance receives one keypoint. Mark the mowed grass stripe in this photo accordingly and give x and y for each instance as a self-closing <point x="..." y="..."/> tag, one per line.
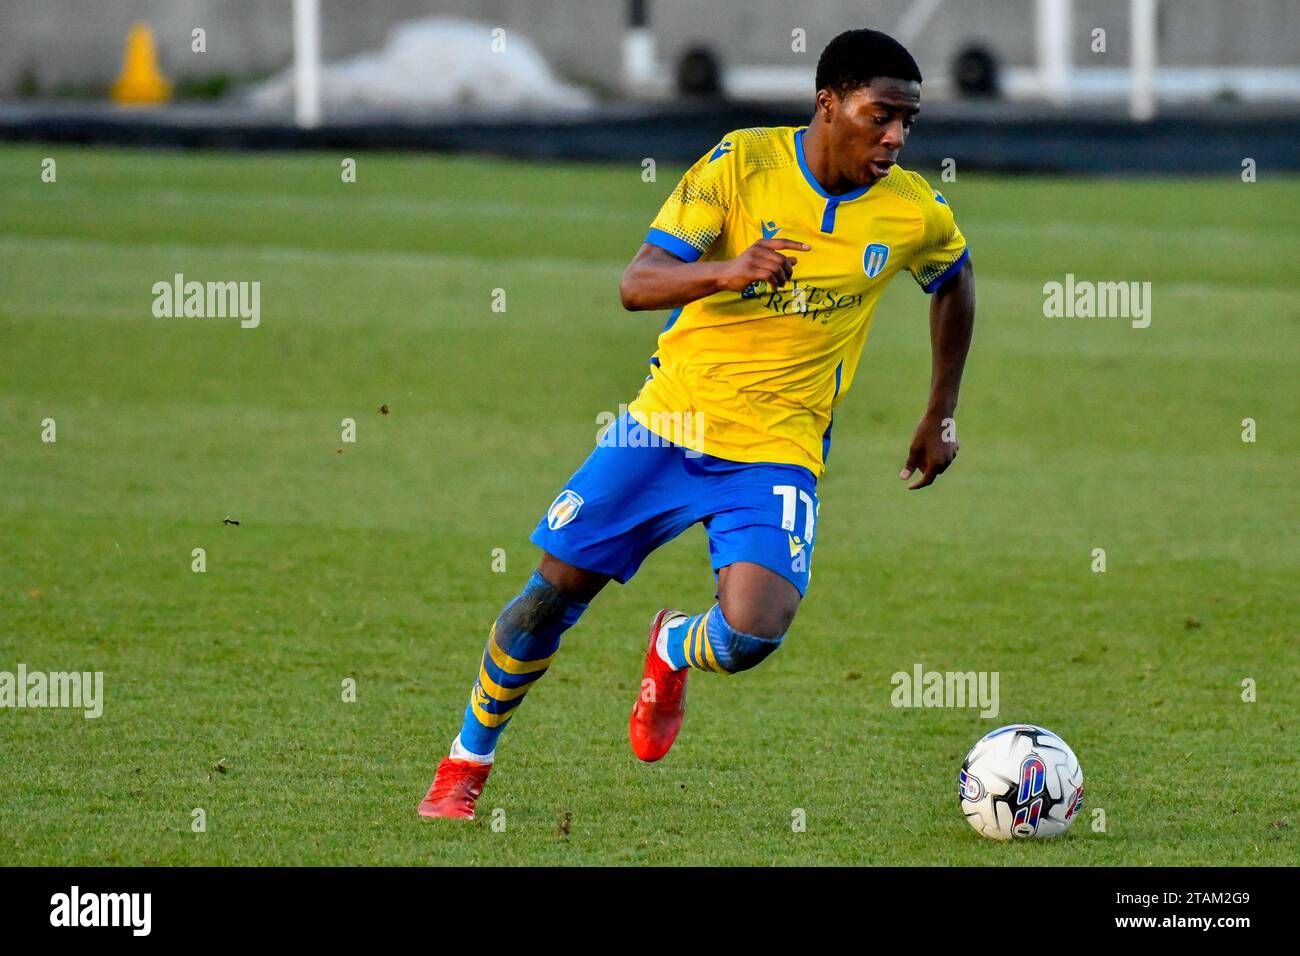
<point x="1286" y="234"/>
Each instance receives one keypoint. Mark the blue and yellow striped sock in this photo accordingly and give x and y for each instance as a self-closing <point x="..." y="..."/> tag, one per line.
<point x="520" y="647"/>
<point x="707" y="642"/>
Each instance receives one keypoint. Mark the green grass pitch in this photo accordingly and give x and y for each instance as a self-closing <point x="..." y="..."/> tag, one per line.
<point x="374" y="560"/>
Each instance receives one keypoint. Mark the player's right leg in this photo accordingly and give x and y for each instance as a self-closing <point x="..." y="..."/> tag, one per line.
<point x="523" y="640"/>
<point x="618" y="507"/>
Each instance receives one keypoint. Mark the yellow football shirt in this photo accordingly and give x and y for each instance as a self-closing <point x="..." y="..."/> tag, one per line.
<point x="763" y="369"/>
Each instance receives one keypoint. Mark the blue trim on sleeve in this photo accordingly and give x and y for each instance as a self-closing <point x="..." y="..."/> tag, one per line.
<point x="949" y="272"/>
<point x="669" y="243"/>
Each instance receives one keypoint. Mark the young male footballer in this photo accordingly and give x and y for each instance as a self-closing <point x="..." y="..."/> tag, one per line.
<point x="760" y="346"/>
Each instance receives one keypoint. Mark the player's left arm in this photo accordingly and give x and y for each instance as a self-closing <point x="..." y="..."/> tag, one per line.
<point x="952" y="323"/>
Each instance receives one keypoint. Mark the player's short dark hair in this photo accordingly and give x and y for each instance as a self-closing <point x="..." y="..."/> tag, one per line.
<point x="856" y="57"/>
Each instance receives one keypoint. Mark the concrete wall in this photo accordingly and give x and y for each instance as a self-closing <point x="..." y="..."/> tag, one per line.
<point x="78" y="43"/>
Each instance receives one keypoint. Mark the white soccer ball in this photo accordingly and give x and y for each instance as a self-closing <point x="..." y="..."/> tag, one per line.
<point x="1020" y="781"/>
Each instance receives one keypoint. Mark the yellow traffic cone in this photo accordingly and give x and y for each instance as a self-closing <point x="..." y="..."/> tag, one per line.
<point x="141" y="80"/>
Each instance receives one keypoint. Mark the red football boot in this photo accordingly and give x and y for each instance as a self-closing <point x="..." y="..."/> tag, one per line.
<point x="660" y="700"/>
<point x="456" y="785"/>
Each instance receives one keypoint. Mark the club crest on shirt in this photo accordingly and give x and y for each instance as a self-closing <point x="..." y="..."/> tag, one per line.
<point x="874" y="258"/>
<point x="563" y="510"/>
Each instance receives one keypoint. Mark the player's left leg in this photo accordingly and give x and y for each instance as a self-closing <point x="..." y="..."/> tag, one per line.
<point x="763" y="569"/>
<point x="754" y="610"/>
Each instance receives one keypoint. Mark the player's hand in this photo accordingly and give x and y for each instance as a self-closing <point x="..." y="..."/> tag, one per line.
<point x="761" y="262"/>
<point x="930" y="454"/>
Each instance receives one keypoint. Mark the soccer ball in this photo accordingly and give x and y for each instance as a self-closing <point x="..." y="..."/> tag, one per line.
<point x="1020" y="781"/>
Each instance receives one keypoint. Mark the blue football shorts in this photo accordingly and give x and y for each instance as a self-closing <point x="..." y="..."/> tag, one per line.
<point x="638" y="491"/>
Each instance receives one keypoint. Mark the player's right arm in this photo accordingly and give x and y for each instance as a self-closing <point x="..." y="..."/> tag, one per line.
<point x="667" y="271"/>
<point x="657" y="279"/>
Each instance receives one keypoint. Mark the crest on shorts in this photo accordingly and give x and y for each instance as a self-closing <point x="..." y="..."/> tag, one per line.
<point x="563" y="510"/>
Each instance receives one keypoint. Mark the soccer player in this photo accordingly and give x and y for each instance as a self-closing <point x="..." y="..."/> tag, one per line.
<point x="733" y="425"/>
